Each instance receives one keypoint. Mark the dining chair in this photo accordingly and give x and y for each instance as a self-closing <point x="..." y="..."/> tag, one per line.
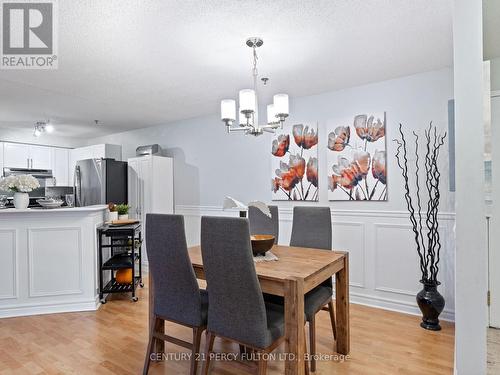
<point x="260" y="223"/>
<point x="178" y="297"/>
<point x="236" y="311"/>
<point x="312" y="227"/>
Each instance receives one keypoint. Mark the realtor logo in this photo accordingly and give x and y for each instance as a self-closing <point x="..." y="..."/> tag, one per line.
<point x="29" y="35"/>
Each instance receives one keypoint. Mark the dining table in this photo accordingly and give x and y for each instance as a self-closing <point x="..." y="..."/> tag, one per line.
<point x="297" y="271"/>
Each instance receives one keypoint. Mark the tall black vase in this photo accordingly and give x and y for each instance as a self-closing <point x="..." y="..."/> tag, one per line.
<point x="431" y="303"/>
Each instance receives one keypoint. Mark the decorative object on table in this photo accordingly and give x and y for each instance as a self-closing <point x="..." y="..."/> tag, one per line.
<point x="425" y="225"/>
<point x="20" y="185"/>
<point x="269" y="256"/>
<point x="70" y="200"/>
<point x="50" y="202"/>
<point x="122" y="210"/>
<point x="261" y="243"/>
<point x="248" y="121"/>
<point x="124" y="276"/>
<point x="357" y="168"/>
<point x="230" y="203"/>
<point x="295" y="164"/>
<point x="112" y="212"/>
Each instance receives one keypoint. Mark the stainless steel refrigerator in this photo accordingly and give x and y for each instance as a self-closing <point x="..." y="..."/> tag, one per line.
<point x="100" y="181"/>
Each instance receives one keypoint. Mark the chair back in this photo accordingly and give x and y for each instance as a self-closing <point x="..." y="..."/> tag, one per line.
<point x="312" y="227"/>
<point x="236" y="307"/>
<point x="260" y="223"/>
<point x="177" y="294"/>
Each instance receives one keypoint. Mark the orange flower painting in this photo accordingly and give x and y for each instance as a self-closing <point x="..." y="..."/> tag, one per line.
<point x="356" y="159"/>
<point x="295" y="163"/>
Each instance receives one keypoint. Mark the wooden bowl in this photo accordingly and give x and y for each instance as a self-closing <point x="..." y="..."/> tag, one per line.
<point x="261" y="243"/>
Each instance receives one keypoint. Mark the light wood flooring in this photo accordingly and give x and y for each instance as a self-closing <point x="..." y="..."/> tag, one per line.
<point x="113" y="341"/>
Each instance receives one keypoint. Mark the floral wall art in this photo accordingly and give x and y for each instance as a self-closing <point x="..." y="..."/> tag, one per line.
<point x="357" y="159"/>
<point x="295" y="163"/>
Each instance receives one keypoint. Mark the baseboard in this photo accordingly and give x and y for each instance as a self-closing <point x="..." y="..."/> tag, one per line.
<point x="48" y="308"/>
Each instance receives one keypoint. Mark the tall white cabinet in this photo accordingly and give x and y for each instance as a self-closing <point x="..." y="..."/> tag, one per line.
<point x="150" y="188"/>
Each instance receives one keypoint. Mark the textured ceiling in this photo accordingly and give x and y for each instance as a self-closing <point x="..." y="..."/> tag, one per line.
<point x="133" y="64"/>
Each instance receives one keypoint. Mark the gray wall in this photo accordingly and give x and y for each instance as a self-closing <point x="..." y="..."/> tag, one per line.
<point x="210" y="164"/>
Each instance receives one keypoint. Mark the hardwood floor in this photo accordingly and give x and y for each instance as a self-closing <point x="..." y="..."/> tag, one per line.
<point x="113" y="341"/>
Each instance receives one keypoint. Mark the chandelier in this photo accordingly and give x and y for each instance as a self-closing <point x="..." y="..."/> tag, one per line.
<point x="248" y="122"/>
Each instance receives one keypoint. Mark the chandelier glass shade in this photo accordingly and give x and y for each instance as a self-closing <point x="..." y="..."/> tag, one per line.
<point x="248" y="108"/>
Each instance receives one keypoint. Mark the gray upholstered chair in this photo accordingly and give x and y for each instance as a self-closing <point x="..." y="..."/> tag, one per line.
<point x="312" y="227"/>
<point x="237" y="311"/>
<point x="260" y="223"/>
<point x="177" y="295"/>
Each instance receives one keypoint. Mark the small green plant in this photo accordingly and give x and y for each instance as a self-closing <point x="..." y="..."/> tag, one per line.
<point x="122" y="209"/>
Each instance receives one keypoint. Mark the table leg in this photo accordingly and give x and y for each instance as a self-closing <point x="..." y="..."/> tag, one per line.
<point x="159" y="346"/>
<point x="342" y="307"/>
<point x="294" y="326"/>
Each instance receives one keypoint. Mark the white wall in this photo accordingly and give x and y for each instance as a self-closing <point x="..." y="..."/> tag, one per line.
<point x="495" y="74"/>
<point x="471" y="254"/>
<point x="210" y="164"/>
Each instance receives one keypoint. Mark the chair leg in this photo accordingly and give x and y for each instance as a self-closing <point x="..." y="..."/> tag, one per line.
<point x="208" y="349"/>
<point x="312" y="342"/>
<point x="151" y="342"/>
<point x="262" y="364"/>
<point x="332" y="319"/>
<point x="197" y="332"/>
<point x="306" y="363"/>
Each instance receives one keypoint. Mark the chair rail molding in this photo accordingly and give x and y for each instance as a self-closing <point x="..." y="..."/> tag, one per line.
<point x="383" y="260"/>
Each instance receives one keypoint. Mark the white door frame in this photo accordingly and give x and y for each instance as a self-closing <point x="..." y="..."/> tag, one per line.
<point x="493" y="220"/>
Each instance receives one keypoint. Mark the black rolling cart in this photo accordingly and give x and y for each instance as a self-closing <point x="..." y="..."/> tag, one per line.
<point x="125" y="252"/>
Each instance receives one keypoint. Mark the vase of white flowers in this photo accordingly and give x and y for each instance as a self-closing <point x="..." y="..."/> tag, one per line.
<point x="20" y="185"/>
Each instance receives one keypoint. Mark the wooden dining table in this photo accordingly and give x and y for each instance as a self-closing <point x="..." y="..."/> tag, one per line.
<point x="296" y="272"/>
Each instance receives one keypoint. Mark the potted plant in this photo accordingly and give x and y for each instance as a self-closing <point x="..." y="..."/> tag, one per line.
<point x="122" y="210"/>
<point x="425" y="225"/>
<point x="20" y="185"/>
<point x="113" y="213"/>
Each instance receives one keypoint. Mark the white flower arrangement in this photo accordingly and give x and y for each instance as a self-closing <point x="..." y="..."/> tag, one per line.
<point x="19" y="184"/>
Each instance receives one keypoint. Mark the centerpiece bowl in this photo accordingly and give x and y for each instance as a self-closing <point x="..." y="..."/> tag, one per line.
<point x="261" y="243"/>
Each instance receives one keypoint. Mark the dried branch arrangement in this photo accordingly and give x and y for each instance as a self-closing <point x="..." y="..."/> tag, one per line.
<point x="425" y="225"/>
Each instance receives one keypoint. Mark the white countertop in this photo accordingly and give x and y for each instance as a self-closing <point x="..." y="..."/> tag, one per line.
<point x="54" y="210"/>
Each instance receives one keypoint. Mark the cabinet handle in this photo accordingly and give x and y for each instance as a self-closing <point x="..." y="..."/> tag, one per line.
<point x="28" y="161"/>
<point x="31" y="163"/>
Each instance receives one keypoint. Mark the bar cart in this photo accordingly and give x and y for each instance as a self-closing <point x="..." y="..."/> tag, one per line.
<point x="124" y="243"/>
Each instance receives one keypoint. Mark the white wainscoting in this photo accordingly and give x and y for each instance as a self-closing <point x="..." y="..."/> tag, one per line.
<point x="9" y="266"/>
<point x="384" y="268"/>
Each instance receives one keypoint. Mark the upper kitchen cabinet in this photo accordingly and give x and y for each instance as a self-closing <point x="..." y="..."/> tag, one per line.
<point x="18" y="155"/>
<point x="60" y="167"/>
<point x="41" y="157"/>
<point x="93" y="152"/>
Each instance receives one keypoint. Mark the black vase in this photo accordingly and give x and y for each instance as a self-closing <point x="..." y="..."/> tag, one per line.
<point x="431" y="303"/>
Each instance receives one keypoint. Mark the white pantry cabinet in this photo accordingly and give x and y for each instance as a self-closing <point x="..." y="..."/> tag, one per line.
<point x="150" y="188"/>
<point x="18" y="155"/>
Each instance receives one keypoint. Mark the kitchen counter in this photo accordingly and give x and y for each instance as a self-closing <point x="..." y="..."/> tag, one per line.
<point x="49" y="260"/>
<point x="53" y="210"/>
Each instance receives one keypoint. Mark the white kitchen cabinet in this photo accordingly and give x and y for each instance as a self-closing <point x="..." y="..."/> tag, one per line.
<point x="1" y="159"/>
<point x="150" y="188"/>
<point x="60" y="167"/>
<point x="41" y="157"/>
<point x="18" y="155"/>
<point x="93" y="152"/>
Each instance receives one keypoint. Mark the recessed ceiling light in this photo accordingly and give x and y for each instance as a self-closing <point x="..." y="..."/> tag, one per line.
<point x="49" y="128"/>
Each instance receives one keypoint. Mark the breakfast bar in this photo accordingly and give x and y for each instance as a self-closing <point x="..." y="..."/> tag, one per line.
<point x="48" y="260"/>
